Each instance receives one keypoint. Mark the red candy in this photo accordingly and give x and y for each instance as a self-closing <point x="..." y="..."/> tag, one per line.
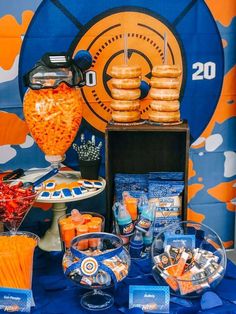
<point x="15" y="201"/>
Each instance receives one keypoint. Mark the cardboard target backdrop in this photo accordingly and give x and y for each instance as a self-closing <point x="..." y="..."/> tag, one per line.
<point x="199" y="40"/>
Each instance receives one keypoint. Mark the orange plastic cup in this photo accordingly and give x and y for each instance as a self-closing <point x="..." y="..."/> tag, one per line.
<point x="68" y="231"/>
<point x="98" y="221"/>
<point x="83" y="244"/>
<point x="87" y="218"/>
<point x="93" y="227"/>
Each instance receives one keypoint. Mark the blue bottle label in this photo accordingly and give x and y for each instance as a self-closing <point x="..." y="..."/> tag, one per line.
<point x="126" y="229"/>
<point x="143" y="224"/>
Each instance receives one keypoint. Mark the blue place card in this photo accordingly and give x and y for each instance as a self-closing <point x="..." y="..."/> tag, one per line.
<point x="180" y="240"/>
<point x="15" y="300"/>
<point x="151" y="299"/>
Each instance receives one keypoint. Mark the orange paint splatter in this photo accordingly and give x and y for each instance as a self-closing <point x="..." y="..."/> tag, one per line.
<point x="10" y="37"/>
<point x="228" y="244"/>
<point x="193" y="189"/>
<point x="224" y="192"/>
<point x="222" y="10"/>
<point x="224" y="43"/>
<point x="200" y="179"/>
<point x="224" y="109"/>
<point x="13" y="130"/>
<point x="192" y="215"/>
<point x="231" y="207"/>
<point x="191" y="171"/>
<point x="43" y="206"/>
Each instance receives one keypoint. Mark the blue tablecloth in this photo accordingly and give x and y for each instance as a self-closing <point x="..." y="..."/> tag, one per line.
<point x="54" y="294"/>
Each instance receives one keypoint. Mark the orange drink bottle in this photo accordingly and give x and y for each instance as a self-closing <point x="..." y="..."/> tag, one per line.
<point x="83" y="244"/>
<point x="131" y="206"/>
<point x="93" y="227"/>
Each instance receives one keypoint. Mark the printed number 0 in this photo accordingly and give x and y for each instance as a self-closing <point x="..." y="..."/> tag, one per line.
<point x="90" y="78"/>
<point x="205" y="71"/>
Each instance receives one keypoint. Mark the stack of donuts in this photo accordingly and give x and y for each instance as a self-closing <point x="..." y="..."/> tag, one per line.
<point x="165" y="86"/>
<point x="125" y="93"/>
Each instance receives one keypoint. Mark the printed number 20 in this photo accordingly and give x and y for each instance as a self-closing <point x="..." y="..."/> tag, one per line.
<point x="203" y="71"/>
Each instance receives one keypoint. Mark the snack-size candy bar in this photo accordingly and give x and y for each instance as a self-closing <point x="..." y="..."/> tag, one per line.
<point x="211" y="273"/>
<point x="199" y="279"/>
<point x="171" y="281"/>
<point x="86" y="281"/>
<point x="163" y="260"/>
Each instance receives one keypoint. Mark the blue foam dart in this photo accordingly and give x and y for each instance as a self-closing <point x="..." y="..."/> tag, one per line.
<point x="76" y="192"/>
<point x="210" y="300"/>
<point x="66" y="193"/>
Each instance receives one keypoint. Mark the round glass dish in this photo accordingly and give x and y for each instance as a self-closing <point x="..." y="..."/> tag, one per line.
<point x="189" y="257"/>
<point x="97" y="261"/>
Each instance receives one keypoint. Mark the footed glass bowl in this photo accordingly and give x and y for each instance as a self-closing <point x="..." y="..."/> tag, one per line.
<point x="189" y="257"/>
<point x="96" y="260"/>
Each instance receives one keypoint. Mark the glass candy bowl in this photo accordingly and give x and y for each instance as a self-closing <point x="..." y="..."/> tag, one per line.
<point x="96" y="260"/>
<point x="15" y="203"/>
<point x="53" y="116"/>
<point x="189" y="257"/>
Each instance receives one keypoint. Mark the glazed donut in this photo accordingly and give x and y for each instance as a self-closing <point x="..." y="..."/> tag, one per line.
<point x="161" y="116"/>
<point x="125" y="116"/>
<point x="164" y="82"/>
<point x="164" y="94"/>
<point x="125" y="94"/>
<point x="126" y="83"/>
<point x="125" y="105"/>
<point x="163" y="105"/>
<point x="165" y="70"/>
<point x="126" y="71"/>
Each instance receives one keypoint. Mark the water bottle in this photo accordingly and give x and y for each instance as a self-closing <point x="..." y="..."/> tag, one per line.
<point x="147" y="241"/>
<point x="136" y="245"/>
<point x="124" y="221"/>
<point x="146" y="219"/>
<point x="142" y="203"/>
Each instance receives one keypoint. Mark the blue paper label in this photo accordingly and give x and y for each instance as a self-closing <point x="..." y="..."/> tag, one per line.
<point x="180" y="240"/>
<point x="15" y="300"/>
<point x="150" y="299"/>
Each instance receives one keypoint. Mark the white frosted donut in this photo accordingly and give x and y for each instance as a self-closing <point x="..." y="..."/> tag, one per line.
<point x="165" y="82"/>
<point x="125" y="94"/>
<point x="126" y="71"/>
<point x="164" y="94"/>
<point x="125" y="105"/>
<point x="161" y="116"/>
<point x="164" y="105"/>
<point x="125" y="116"/>
<point x="126" y="83"/>
<point x="165" y="70"/>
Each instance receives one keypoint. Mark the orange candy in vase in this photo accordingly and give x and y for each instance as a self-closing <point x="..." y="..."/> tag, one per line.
<point x="52" y="104"/>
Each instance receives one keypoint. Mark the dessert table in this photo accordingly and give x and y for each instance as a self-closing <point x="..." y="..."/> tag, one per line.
<point x="54" y="294"/>
<point x="51" y="240"/>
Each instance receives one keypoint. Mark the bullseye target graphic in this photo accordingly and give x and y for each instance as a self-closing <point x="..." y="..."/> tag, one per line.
<point x="99" y="27"/>
<point x="89" y="266"/>
<point x="145" y="36"/>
